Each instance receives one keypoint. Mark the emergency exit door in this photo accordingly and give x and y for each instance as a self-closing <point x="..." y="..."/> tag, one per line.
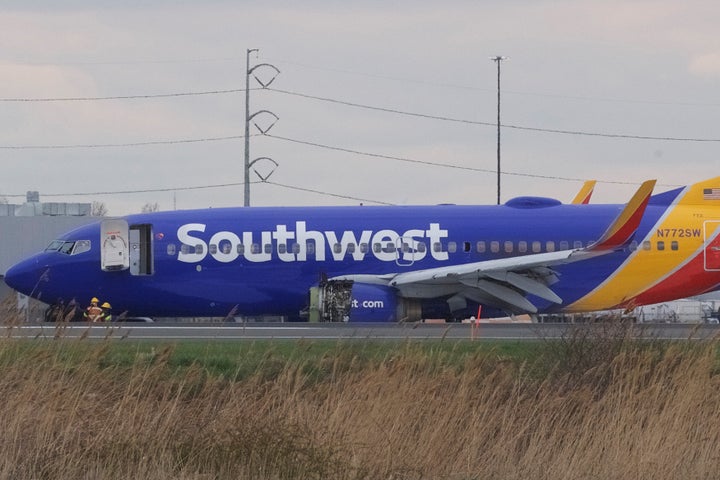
<point x="712" y="245"/>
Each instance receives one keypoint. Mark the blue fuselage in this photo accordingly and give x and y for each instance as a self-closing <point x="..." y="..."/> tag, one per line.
<point x="258" y="260"/>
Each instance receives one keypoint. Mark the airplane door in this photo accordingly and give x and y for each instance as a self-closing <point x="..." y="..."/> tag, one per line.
<point x="140" y="246"/>
<point x="114" y="245"/>
<point x="712" y="245"/>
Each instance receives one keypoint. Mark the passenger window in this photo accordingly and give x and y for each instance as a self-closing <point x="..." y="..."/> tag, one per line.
<point x="268" y="248"/>
<point x="674" y="245"/>
<point x="296" y="248"/>
<point x="377" y="248"/>
<point x="564" y="245"/>
<point x="508" y="246"/>
<point x="212" y="249"/>
<point x="337" y="248"/>
<point x="351" y="248"/>
<point x="646" y="245"/>
<point x="494" y="246"/>
<point x="199" y="248"/>
<point x="466" y="247"/>
<point x="255" y="248"/>
<point x="185" y="249"/>
<point x="437" y="247"/>
<point x="522" y="246"/>
<point x="171" y="249"/>
<point x="420" y="247"/>
<point x="310" y="248"/>
<point x="480" y="246"/>
<point x="226" y="247"/>
<point x="364" y="247"/>
<point x="282" y="248"/>
<point x="633" y="246"/>
<point x="389" y="247"/>
<point x="452" y="247"/>
<point x="577" y="244"/>
<point x="536" y="247"/>
<point x="241" y="249"/>
<point x="661" y="245"/>
<point x="550" y="246"/>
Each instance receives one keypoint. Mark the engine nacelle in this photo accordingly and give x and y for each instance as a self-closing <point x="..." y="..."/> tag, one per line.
<point x="373" y="303"/>
<point x="348" y="301"/>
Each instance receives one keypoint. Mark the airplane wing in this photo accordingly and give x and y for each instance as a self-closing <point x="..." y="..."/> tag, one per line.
<point x="506" y="282"/>
<point x="586" y="191"/>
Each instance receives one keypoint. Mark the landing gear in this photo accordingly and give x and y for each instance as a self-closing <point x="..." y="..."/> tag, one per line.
<point x="63" y="313"/>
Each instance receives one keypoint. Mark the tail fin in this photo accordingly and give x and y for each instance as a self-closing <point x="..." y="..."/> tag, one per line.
<point x="622" y="230"/>
<point x="706" y="192"/>
<point x="583" y="196"/>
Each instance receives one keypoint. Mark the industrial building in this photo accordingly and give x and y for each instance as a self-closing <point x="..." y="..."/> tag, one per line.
<point x="30" y="227"/>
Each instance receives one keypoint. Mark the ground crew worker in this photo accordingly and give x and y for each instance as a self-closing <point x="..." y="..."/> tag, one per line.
<point x="93" y="312"/>
<point x="106" y="312"/>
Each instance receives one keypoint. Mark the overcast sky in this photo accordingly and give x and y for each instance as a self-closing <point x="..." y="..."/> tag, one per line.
<point x="612" y="69"/>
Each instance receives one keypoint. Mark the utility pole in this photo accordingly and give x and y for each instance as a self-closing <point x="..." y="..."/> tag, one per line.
<point x="249" y="71"/>
<point x="497" y="59"/>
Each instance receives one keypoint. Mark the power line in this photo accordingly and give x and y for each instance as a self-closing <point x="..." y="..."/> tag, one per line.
<point x="489" y="124"/>
<point x="445" y="165"/>
<point x="363" y="74"/>
<point x="132" y="62"/>
<point x="336" y="195"/>
<point x="480" y="89"/>
<point x="199" y="187"/>
<point x="123" y="97"/>
<point x="119" y="145"/>
<point x="339" y="102"/>
<point x="125" y="192"/>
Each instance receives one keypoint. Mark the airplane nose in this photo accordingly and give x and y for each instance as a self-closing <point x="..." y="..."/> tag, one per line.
<point x="26" y="277"/>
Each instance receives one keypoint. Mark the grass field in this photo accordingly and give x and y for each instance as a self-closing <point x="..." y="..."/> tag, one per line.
<point x="596" y="404"/>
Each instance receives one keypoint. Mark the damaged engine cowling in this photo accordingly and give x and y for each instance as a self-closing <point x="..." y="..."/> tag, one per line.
<point x="348" y="301"/>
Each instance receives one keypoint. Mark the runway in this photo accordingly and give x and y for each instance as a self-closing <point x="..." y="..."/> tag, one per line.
<point x="373" y="332"/>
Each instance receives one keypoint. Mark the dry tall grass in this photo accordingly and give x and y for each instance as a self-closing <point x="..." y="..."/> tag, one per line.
<point x="67" y="413"/>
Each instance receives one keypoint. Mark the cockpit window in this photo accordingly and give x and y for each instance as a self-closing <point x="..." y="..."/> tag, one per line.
<point x="69" y="248"/>
<point x="81" y="246"/>
<point x="54" y="246"/>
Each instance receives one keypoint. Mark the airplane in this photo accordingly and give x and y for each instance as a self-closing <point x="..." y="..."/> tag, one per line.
<point x="531" y="255"/>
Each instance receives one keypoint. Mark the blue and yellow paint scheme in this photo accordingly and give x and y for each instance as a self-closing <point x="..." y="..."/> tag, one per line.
<point x="389" y="263"/>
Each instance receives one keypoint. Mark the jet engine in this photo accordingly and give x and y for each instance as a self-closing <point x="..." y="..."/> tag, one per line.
<point x="348" y="301"/>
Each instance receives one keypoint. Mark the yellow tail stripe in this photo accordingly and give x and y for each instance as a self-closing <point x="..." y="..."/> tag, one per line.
<point x="644" y="268"/>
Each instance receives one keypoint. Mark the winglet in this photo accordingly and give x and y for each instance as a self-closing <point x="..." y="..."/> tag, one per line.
<point x="621" y="231"/>
<point x="583" y="196"/>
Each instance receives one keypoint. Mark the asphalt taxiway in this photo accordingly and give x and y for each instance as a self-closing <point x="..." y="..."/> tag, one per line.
<point x="375" y="332"/>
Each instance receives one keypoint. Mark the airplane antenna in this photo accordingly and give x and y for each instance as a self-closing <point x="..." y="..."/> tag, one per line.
<point x="264" y="84"/>
<point x="497" y="59"/>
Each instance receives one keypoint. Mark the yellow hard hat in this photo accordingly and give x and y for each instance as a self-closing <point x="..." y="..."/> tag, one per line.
<point x="106" y="305"/>
<point x="94" y="300"/>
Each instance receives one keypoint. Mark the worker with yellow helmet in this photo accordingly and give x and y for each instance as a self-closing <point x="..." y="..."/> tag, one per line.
<point x="106" y="312"/>
<point x="93" y="313"/>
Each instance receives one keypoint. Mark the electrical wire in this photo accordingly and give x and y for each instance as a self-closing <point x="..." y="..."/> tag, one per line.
<point x="125" y="97"/>
<point x="493" y="90"/>
<point x="118" y="145"/>
<point x="201" y="187"/>
<point x="490" y="124"/>
<point x="445" y="165"/>
<point x="126" y="192"/>
<point x="328" y="194"/>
